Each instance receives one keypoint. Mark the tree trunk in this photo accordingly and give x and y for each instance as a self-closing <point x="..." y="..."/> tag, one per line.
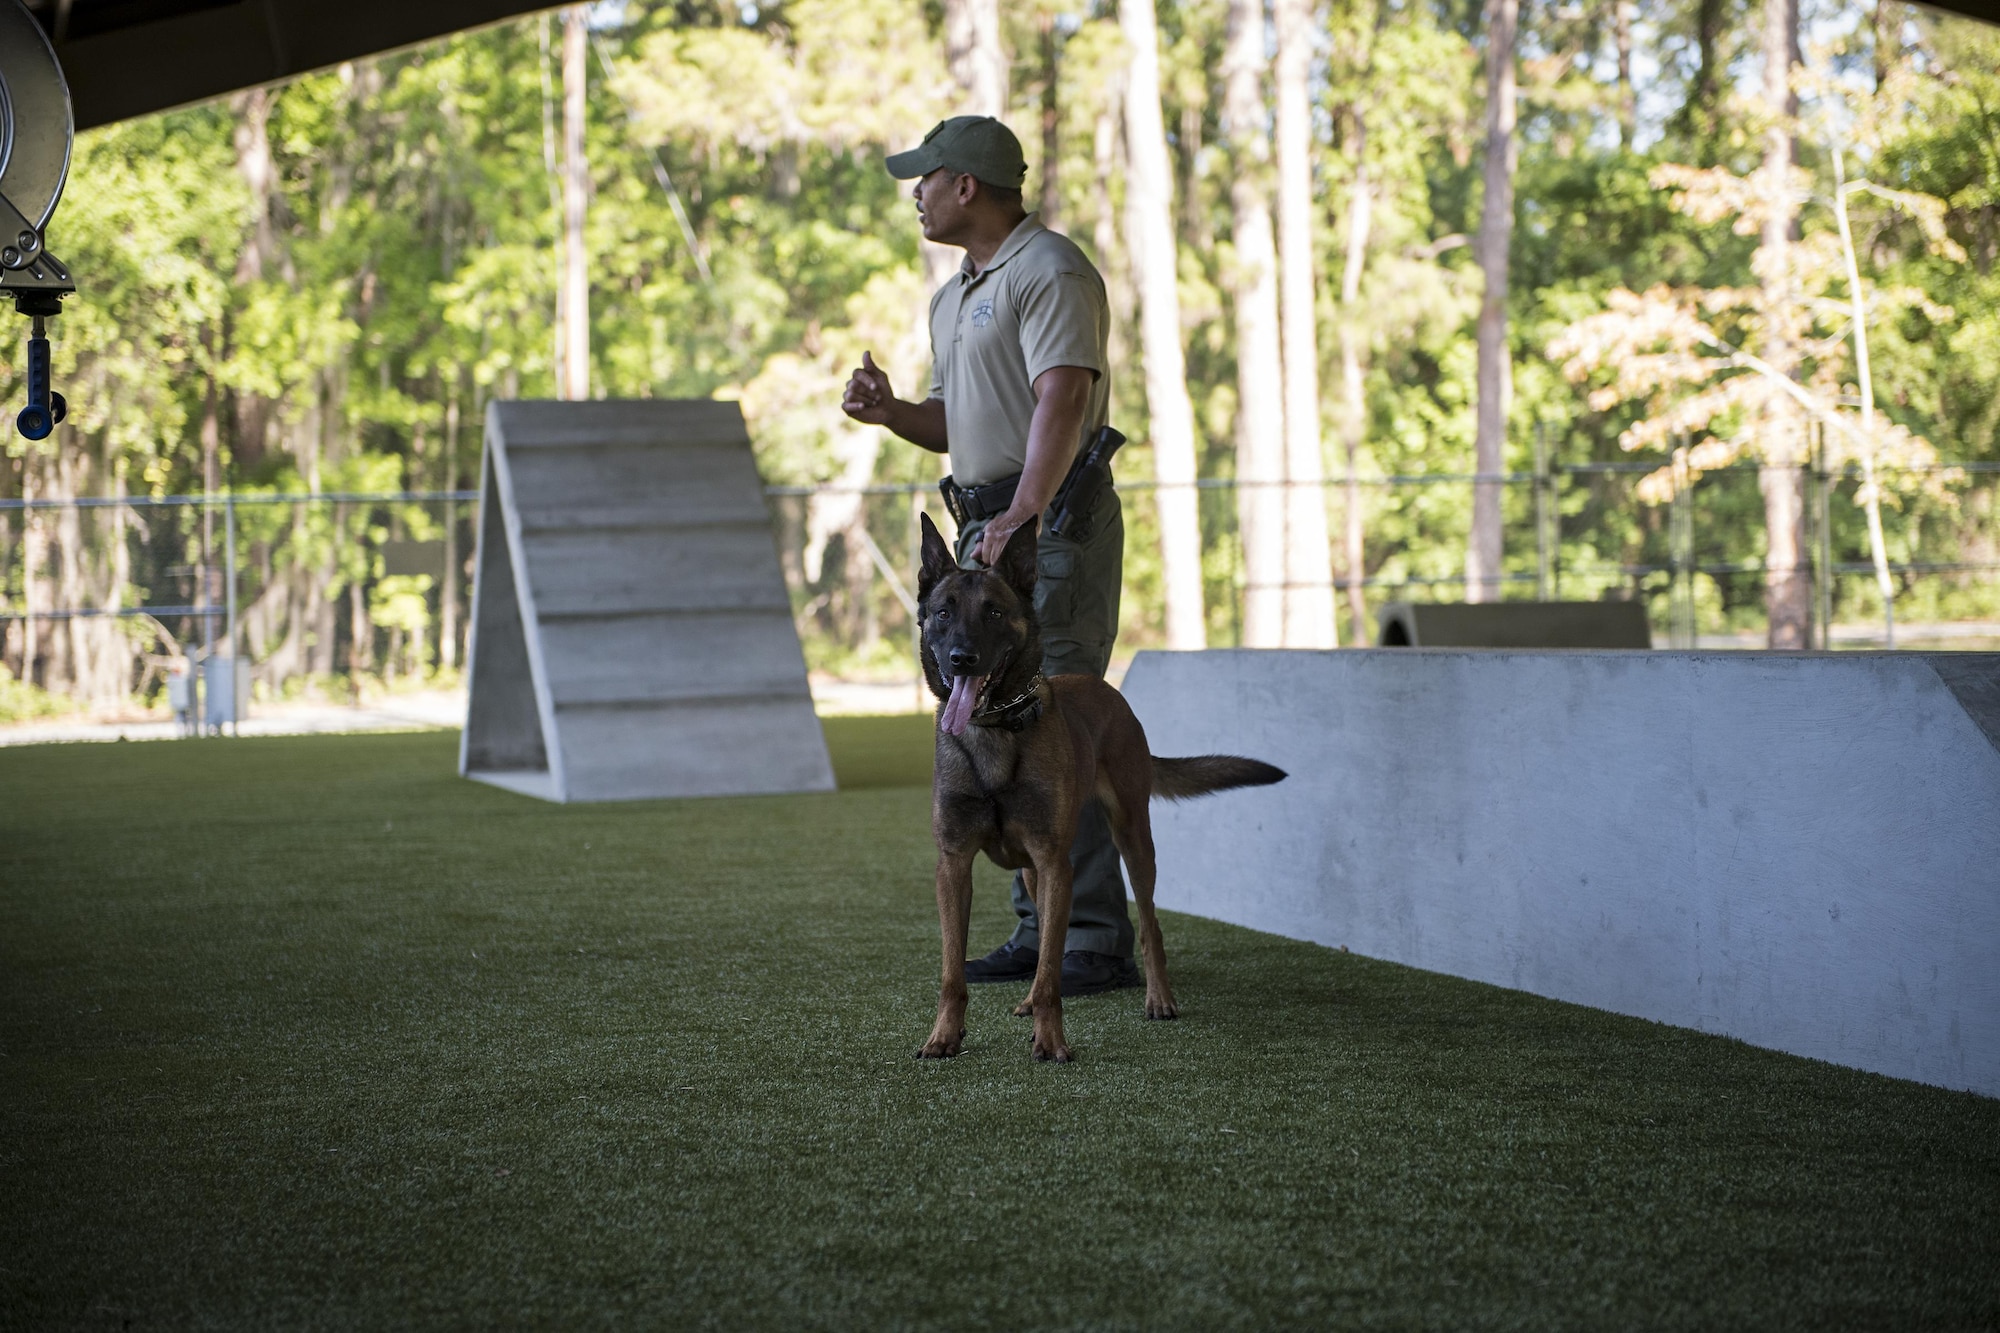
<point x="1628" y="104"/>
<point x="552" y="172"/>
<point x="972" y="46"/>
<point x="1787" y="581"/>
<point x="1149" y="201"/>
<point x="1354" y="407"/>
<point x="1051" y="192"/>
<point x="1309" y="616"/>
<point x="447" y="657"/>
<point x="92" y="657"/>
<point x="361" y="635"/>
<point x="1888" y="39"/>
<point x="1705" y="90"/>
<point x="120" y="650"/>
<point x="843" y="512"/>
<point x="1197" y="228"/>
<point x="1107" y="161"/>
<point x="317" y="608"/>
<point x="211" y="445"/>
<point x="33" y="552"/>
<point x="254" y="164"/>
<point x="1260" y="413"/>
<point x="1864" y="377"/>
<point x="1496" y="367"/>
<point x="575" y="295"/>
<point x="70" y="659"/>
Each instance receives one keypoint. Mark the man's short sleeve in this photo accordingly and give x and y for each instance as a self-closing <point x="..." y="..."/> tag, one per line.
<point x="1064" y="320"/>
<point x="937" y="367"/>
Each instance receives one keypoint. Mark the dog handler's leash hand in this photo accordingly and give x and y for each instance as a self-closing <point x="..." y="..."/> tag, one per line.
<point x="993" y="539"/>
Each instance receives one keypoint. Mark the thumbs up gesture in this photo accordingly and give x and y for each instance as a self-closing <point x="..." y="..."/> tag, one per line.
<point x="869" y="399"/>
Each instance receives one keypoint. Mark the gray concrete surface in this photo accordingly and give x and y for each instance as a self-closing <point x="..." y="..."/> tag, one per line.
<point x="419" y="710"/>
<point x="631" y="632"/>
<point x="1801" y="851"/>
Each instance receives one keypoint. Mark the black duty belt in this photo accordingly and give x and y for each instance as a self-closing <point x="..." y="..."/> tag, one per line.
<point x="1069" y="513"/>
<point x="972" y="504"/>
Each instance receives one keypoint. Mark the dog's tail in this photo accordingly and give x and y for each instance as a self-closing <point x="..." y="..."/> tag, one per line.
<point x="1198" y="775"/>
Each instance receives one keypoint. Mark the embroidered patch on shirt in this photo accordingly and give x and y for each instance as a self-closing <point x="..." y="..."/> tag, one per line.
<point x="982" y="314"/>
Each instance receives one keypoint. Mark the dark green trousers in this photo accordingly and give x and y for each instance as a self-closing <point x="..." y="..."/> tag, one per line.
<point x="1076" y="602"/>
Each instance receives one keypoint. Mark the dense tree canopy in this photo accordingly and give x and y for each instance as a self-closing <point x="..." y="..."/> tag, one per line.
<point x="317" y="288"/>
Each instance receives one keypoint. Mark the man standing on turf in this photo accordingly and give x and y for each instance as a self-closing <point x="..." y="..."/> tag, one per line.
<point x="1019" y="386"/>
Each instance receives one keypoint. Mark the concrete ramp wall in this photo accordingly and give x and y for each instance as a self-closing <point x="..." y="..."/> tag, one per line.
<point x="1801" y="851"/>
<point x="631" y="631"/>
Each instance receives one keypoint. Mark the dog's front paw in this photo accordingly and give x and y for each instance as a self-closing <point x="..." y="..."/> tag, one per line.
<point x="942" y="1048"/>
<point x="1048" y="1042"/>
<point x="1163" y="1007"/>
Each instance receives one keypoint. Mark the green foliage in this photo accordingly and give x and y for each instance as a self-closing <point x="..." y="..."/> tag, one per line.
<point x="346" y="331"/>
<point x="25" y="701"/>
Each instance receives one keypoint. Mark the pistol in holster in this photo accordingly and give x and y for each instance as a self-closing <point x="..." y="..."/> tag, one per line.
<point x="1070" y="514"/>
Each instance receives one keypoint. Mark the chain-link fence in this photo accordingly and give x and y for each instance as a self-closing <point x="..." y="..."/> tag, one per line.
<point x="108" y="598"/>
<point x="104" y="599"/>
<point x="1572" y="532"/>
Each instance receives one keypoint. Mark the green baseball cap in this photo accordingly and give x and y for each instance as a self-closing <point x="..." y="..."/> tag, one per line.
<point x="977" y="146"/>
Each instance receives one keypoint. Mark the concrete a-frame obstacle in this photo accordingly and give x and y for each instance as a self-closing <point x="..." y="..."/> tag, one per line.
<point x="631" y="633"/>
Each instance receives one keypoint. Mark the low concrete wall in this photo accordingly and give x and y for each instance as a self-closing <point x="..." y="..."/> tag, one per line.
<point x="1800" y="851"/>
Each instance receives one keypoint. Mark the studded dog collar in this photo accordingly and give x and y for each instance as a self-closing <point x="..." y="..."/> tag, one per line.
<point x="1018" y="712"/>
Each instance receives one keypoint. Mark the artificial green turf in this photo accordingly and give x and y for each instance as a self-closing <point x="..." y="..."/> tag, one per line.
<point x="881" y="751"/>
<point x="310" y="1032"/>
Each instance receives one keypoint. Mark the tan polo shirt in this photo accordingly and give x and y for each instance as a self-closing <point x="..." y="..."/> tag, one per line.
<point x="1039" y="304"/>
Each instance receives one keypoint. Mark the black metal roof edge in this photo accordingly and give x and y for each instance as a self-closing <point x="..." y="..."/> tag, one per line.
<point x="199" y="53"/>
<point x="126" y="58"/>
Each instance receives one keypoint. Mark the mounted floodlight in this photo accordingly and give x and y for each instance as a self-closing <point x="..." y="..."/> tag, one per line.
<point x="36" y="131"/>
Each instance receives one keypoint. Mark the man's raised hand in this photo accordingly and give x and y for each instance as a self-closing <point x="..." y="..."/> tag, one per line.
<point x="869" y="398"/>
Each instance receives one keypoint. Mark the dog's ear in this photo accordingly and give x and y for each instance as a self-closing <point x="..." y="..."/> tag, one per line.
<point x="1017" y="562"/>
<point x="937" y="560"/>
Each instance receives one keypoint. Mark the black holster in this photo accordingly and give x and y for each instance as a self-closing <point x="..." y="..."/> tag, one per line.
<point x="1088" y="479"/>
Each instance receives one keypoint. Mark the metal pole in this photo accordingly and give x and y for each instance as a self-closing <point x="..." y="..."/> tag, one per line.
<point x="1680" y="535"/>
<point x="1555" y="534"/>
<point x="1542" y="582"/>
<point x="229" y="577"/>
<point x="1823" y="521"/>
<point x="204" y="602"/>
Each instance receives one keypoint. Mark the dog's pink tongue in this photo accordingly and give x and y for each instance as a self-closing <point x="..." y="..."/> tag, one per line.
<point x="958" y="709"/>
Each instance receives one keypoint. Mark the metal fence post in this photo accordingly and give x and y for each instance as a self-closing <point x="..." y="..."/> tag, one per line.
<point x="1823" y="541"/>
<point x="229" y="586"/>
<point x="1543" y="585"/>
<point x="1680" y="537"/>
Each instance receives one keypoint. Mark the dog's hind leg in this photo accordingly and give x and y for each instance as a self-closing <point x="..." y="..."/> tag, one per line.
<point x="1052" y="879"/>
<point x="954" y="898"/>
<point x="1132" y="832"/>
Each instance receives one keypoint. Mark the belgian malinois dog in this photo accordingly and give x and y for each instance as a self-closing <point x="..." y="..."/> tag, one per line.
<point x="1018" y="754"/>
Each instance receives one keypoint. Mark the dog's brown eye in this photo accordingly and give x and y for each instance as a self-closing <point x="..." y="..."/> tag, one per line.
<point x="993" y="613"/>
